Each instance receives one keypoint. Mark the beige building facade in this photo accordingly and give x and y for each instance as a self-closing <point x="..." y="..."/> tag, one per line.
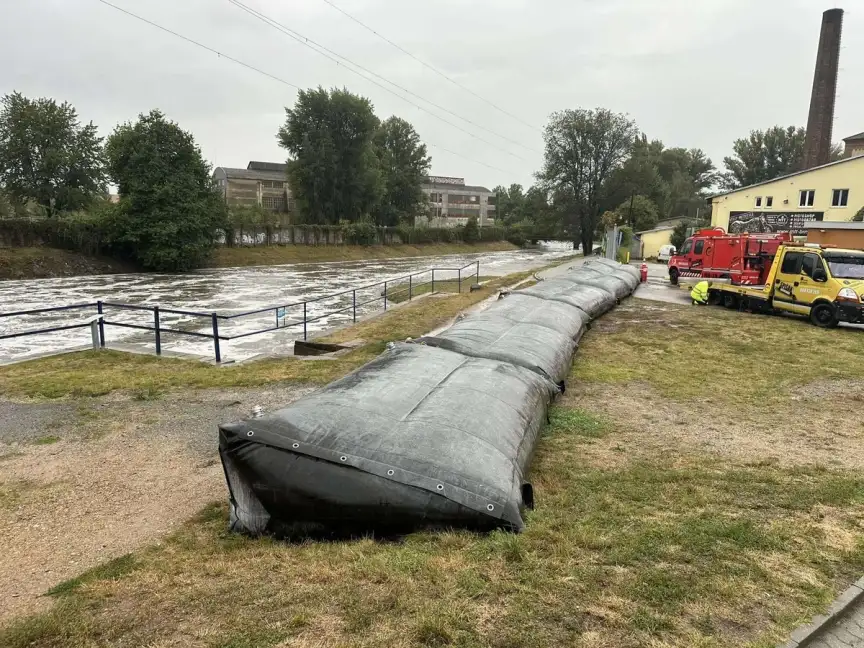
<point x="452" y="202"/>
<point x="829" y="193"/>
<point x="262" y="184"/>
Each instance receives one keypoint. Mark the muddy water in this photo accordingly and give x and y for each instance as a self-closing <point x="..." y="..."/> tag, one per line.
<point x="226" y="291"/>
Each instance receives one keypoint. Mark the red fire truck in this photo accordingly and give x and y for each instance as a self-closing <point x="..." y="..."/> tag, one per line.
<point x="743" y="259"/>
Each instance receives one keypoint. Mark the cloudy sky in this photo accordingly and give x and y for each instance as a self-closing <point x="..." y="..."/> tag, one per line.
<point x="692" y="73"/>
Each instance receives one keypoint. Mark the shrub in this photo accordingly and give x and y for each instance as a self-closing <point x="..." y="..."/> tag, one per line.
<point x="471" y="231"/>
<point x="360" y="233"/>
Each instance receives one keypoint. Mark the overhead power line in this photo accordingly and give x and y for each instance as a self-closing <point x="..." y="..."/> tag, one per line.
<point x="432" y="67"/>
<point x="272" y="77"/>
<point x="349" y="65"/>
<point x="201" y="45"/>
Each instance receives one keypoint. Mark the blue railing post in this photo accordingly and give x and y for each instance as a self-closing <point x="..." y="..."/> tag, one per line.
<point x="158" y="332"/>
<point x="478" y="272"/>
<point x="410" y="287"/>
<point x="99" y="310"/>
<point x="385" y="295"/>
<point x="304" y="321"/>
<point x="216" y="338"/>
<point x="433" y="280"/>
<point x="354" y="303"/>
<point x="460" y="281"/>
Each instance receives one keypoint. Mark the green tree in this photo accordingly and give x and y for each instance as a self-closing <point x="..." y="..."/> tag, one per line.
<point x="47" y="155"/>
<point x="584" y="149"/>
<point x="471" y="231"/>
<point x="404" y="164"/>
<point x="639" y="212"/>
<point x="766" y="155"/>
<point x="509" y="204"/>
<point x="679" y="234"/>
<point x="333" y="168"/>
<point x="169" y="212"/>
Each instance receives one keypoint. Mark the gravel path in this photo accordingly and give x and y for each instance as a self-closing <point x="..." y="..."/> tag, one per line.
<point x="84" y="481"/>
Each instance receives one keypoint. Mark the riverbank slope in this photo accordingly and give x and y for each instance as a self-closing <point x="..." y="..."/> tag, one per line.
<point x="45" y="262"/>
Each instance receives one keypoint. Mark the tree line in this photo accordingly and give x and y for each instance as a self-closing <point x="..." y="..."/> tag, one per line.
<point x="600" y="170"/>
<point x="346" y="166"/>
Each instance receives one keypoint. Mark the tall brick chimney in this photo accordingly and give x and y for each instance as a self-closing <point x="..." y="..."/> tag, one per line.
<point x="820" y="124"/>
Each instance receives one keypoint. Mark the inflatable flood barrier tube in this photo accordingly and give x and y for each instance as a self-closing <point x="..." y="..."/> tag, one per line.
<point x="527" y="331"/>
<point x="420" y="437"/>
<point x="592" y="300"/>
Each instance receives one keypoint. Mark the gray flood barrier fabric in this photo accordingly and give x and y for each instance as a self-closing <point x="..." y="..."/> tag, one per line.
<point x="525" y="330"/>
<point x="599" y="279"/>
<point x="614" y="265"/>
<point x="628" y="274"/>
<point x="419" y="437"/>
<point x="591" y="300"/>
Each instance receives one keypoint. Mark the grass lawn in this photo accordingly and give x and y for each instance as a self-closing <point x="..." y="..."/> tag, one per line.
<point x="682" y="500"/>
<point x="278" y="254"/>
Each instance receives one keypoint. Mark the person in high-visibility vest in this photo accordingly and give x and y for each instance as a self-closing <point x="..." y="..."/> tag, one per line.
<point x="699" y="294"/>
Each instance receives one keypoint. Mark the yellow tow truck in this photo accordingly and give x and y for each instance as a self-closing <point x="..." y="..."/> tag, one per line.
<point x="823" y="283"/>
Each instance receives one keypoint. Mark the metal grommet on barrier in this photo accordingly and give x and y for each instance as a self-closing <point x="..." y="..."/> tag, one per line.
<point x="250" y="433"/>
<point x="391" y="472"/>
<point x="490" y="507"/>
<point x="295" y="445"/>
<point x="440" y="487"/>
<point x="343" y="458"/>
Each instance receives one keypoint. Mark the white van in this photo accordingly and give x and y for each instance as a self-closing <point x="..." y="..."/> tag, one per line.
<point x="666" y="253"/>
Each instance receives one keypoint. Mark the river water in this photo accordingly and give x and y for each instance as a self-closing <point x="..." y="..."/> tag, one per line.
<point x="226" y="291"/>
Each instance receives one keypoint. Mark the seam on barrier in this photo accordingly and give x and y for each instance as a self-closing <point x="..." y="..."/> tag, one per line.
<point x="433" y="390"/>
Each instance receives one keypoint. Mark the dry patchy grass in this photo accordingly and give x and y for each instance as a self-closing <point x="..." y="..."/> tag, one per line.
<point x="624" y="549"/>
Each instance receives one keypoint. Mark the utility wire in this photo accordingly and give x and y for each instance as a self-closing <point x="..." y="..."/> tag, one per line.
<point x="262" y="72"/>
<point x="432" y="67"/>
<point x="196" y="43"/>
<point x="342" y="60"/>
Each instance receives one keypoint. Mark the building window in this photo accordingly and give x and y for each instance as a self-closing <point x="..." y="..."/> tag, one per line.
<point x="806" y="198"/>
<point x="769" y="201"/>
<point x="275" y="203"/>
<point x="758" y="202"/>
<point x="491" y="200"/>
<point x="840" y="198"/>
<point x="273" y="184"/>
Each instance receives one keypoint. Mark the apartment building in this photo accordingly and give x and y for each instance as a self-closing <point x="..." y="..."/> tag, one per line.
<point x="264" y="184"/>
<point x="452" y="202"/>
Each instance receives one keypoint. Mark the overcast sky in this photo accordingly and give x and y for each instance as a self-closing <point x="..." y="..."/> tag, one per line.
<point x="691" y="73"/>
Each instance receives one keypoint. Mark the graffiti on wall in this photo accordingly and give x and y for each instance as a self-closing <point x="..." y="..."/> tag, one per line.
<point x="772" y="222"/>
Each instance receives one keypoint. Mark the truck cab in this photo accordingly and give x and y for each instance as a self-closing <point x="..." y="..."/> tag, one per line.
<point x="738" y="258"/>
<point x="822" y="283"/>
<point x="825" y="284"/>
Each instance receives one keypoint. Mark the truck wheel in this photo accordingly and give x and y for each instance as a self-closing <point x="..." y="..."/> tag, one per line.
<point x="730" y="300"/>
<point x="673" y="276"/>
<point x="824" y="316"/>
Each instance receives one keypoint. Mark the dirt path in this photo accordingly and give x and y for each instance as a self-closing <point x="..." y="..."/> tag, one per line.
<point x="84" y="481"/>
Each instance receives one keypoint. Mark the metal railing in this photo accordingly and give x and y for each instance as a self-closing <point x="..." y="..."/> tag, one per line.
<point x="103" y="317"/>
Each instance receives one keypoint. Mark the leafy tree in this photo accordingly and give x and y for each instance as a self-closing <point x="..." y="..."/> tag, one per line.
<point x="679" y="234"/>
<point x="584" y="149"/>
<point x="509" y="204"/>
<point x="169" y="211"/>
<point x="766" y="155"/>
<point x="404" y="164"/>
<point x="333" y="168"/>
<point x="639" y="212"/>
<point x="471" y="231"/>
<point x="47" y="156"/>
